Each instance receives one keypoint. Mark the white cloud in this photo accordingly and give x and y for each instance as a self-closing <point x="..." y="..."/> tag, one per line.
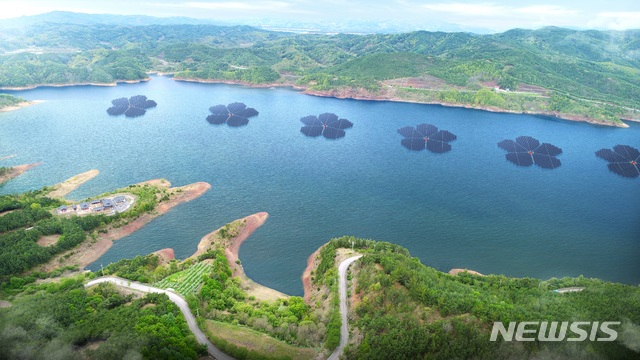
<point x="467" y="9"/>
<point x="616" y="20"/>
<point x="546" y="10"/>
<point x="237" y="5"/>
<point x="501" y="17"/>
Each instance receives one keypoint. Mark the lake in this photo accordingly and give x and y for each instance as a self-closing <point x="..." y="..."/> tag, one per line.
<point x="468" y="208"/>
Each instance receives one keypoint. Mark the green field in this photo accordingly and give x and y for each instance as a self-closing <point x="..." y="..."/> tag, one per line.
<point x="186" y="282"/>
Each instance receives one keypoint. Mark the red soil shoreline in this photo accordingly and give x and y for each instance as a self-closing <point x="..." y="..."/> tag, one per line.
<point x="232" y="250"/>
<point x="88" y="252"/>
<point x="350" y="94"/>
<point x="306" y="275"/>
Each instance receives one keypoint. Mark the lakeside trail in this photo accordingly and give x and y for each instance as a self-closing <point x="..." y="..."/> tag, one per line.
<point x="16" y="171"/>
<point x="176" y="299"/>
<point x="64" y="188"/>
<point x="342" y="288"/>
<point x="90" y="251"/>
<point x="232" y="250"/>
<point x="20" y="105"/>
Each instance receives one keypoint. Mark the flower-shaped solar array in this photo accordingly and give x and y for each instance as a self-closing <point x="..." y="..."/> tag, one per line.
<point x="526" y="151"/>
<point x="132" y="107"/>
<point x="623" y="160"/>
<point x="235" y="114"/>
<point x="426" y="136"/>
<point x="326" y="124"/>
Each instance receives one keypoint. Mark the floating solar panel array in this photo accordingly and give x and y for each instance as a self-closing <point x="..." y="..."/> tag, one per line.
<point x="326" y="124"/>
<point x="235" y="114"/>
<point x="426" y="136"/>
<point x="623" y="160"/>
<point x="526" y="151"/>
<point x="132" y="107"/>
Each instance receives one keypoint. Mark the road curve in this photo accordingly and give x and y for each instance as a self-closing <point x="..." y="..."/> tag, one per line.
<point x="342" y="289"/>
<point x="178" y="300"/>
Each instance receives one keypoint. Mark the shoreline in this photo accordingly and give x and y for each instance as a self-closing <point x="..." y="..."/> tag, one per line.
<point x="90" y="251"/>
<point x="306" y="274"/>
<point x="456" y="271"/>
<point x="15" y="171"/>
<point x="21" y="105"/>
<point x="232" y="250"/>
<point x="556" y="115"/>
<point x="64" y="188"/>
<point x="334" y="94"/>
<point x="31" y="87"/>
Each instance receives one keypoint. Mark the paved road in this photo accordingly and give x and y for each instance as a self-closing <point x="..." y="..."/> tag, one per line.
<point x="178" y="300"/>
<point x="342" y="288"/>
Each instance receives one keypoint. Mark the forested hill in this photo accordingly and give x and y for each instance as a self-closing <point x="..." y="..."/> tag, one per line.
<point x="581" y="74"/>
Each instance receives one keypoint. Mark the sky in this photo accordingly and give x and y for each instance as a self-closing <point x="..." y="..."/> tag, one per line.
<point x="496" y="15"/>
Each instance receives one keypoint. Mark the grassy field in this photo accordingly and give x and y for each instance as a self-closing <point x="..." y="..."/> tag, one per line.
<point x="186" y="282"/>
<point x="255" y="341"/>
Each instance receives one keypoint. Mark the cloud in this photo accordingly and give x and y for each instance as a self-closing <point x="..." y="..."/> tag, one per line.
<point x="467" y="9"/>
<point x="233" y="7"/>
<point x="616" y="20"/>
<point x="494" y="10"/>
<point x="236" y="5"/>
<point x="502" y="17"/>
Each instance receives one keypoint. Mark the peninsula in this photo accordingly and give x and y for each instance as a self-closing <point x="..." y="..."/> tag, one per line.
<point x="8" y="173"/>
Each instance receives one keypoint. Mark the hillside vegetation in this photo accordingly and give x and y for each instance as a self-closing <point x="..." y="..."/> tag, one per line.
<point x="591" y="75"/>
<point x="406" y="310"/>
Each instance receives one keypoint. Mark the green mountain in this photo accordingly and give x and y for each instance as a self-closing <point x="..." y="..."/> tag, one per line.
<point x="593" y="75"/>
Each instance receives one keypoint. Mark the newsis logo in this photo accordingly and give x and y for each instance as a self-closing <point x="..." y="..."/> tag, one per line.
<point x="555" y="331"/>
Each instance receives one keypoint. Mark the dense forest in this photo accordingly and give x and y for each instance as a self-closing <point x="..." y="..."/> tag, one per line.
<point x="406" y="310"/>
<point x="65" y="321"/>
<point x="587" y="74"/>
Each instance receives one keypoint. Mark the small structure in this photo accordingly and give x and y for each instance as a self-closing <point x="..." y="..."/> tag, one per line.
<point x="98" y="209"/>
<point x="84" y="206"/>
<point x="74" y="207"/>
<point x="120" y="199"/>
<point x="63" y="209"/>
<point x="108" y="204"/>
<point x="96" y="202"/>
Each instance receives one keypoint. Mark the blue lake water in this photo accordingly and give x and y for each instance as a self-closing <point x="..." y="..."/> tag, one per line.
<point x="468" y="208"/>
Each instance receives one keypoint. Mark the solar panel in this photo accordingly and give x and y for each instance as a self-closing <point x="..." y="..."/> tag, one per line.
<point x="627" y="151"/>
<point x="413" y="144"/>
<point x="520" y="159"/>
<point x="546" y="161"/>
<point x="438" y="146"/>
<point x="235" y="114"/>
<point x="527" y="142"/>
<point x="133" y="107"/>
<point x="624" y="160"/>
<point x="328" y="125"/>
<point x="426" y="129"/>
<point x="426" y="136"/>
<point x="312" y="130"/>
<point x="526" y="151"/>
<point x="510" y="146"/>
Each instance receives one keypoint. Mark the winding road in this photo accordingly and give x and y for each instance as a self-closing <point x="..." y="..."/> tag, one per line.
<point x="342" y="286"/>
<point x="178" y="300"/>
